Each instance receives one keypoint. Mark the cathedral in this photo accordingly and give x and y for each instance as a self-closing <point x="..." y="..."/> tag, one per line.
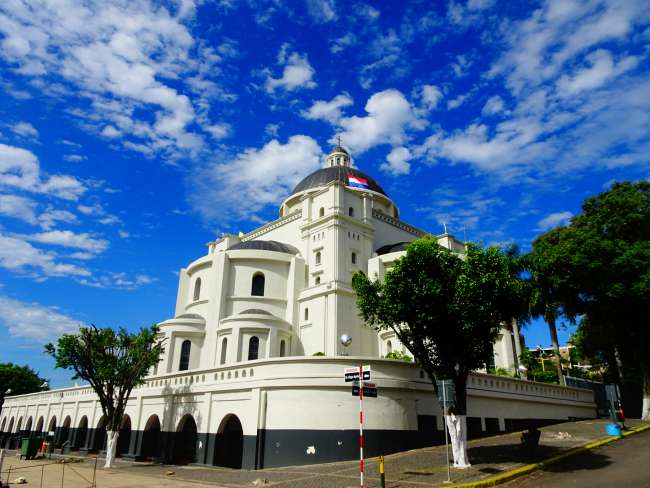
<point x="253" y="370"/>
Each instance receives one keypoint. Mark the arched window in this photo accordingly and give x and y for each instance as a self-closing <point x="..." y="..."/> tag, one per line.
<point x="224" y="350"/>
<point x="253" y="348"/>
<point x="321" y="212"/>
<point x="389" y="347"/>
<point x="257" y="287"/>
<point x="354" y="258"/>
<point x="351" y="211"/>
<point x="318" y="280"/>
<point x="283" y="349"/>
<point x="197" y="289"/>
<point x="184" y="363"/>
<point x="318" y="256"/>
<point x="306" y="313"/>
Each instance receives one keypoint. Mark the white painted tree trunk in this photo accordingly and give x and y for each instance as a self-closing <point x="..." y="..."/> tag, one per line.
<point x="111" y="447"/>
<point x="457" y="426"/>
<point x="645" y="408"/>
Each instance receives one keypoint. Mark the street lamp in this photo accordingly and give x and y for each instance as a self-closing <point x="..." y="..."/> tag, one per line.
<point x="346" y="340"/>
<point x="522" y="371"/>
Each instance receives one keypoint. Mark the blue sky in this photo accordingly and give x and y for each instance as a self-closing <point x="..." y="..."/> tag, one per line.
<point x="134" y="132"/>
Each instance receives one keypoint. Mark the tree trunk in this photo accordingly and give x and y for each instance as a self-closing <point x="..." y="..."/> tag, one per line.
<point x="111" y="447"/>
<point x="645" y="407"/>
<point x="556" y="347"/>
<point x="457" y="426"/>
<point x="518" y="345"/>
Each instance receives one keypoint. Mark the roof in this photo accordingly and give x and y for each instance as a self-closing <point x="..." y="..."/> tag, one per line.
<point x="260" y="245"/>
<point x="398" y="246"/>
<point x="335" y="173"/>
<point x="255" y="311"/>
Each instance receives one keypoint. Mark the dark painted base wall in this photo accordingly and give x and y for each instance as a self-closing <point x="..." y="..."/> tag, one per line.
<point x="275" y="448"/>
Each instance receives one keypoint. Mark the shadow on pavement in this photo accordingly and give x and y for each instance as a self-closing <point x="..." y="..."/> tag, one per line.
<point x="509" y="453"/>
<point x="588" y="460"/>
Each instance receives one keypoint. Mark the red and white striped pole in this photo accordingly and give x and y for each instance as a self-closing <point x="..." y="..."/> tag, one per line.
<point x="361" y="426"/>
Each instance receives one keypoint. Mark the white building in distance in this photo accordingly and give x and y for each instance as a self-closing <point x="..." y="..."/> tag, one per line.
<point x="252" y="374"/>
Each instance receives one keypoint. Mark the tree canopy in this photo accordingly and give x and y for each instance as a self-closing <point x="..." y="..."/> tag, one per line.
<point x="447" y="310"/>
<point x="20" y="380"/>
<point x="112" y="362"/>
<point x="599" y="266"/>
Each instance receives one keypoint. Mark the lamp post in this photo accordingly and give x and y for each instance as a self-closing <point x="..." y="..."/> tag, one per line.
<point x="346" y="340"/>
<point x="523" y="370"/>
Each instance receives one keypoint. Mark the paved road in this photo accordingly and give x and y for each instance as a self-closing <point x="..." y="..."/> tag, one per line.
<point x="625" y="463"/>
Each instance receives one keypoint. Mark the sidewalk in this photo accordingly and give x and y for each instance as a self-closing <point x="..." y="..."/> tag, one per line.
<point x="412" y="469"/>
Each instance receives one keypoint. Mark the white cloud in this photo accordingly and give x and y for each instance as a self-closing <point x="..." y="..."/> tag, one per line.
<point x="397" y="162"/>
<point x="51" y="216"/>
<point x="74" y="158"/>
<point x="322" y="11"/>
<point x="24" y="129"/>
<point x="456" y="102"/>
<point x="602" y="68"/>
<point x="297" y="72"/>
<point x="129" y="70"/>
<point x="68" y="238"/>
<point x="18" y="207"/>
<point x="389" y="116"/>
<point x="494" y="105"/>
<point x="29" y="320"/>
<point x="553" y="220"/>
<point x="430" y="95"/>
<point x="19" y="256"/>
<point x="254" y="178"/>
<point x="20" y="168"/>
<point x="340" y="43"/>
<point x="329" y="111"/>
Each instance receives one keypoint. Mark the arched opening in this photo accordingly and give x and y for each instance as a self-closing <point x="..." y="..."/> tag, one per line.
<point x="82" y="433"/>
<point x="64" y="433"/>
<point x="39" y="426"/>
<point x="186" y="349"/>
<point x="19" y="425"/>
<point x="151" y="439"/>
<point x="389" y="347"/>
<point x="229" y="447"/>
<point x="4" y="422"/>
<point x="318" y="280"/>
<point x="351" y="211"/>
<point x="185" y="442"/>
<point x="28" y="426"/>
<point x="124" y="439"/>
<point x="306" y="313"/>
<point x="99" y="442"/>
<point x="51" y="428"/>
<point x="257" y="286"/>
<point x="253" y="348"/>
<point x="283" y="348"/>
<point x="318" y="257"/>
<point x="354" y="258"/>
<point x="224" y="350"/>
<point x="197" y="289"/>
<point x="7" y="441"/>
<point x="321" y="212"/>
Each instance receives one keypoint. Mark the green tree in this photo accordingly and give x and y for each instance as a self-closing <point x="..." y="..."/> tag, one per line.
<point x="599" y="265"/>
<point x="18" y="380"/>
<point x="113" y="363"/>
<point x="447" y="311"/>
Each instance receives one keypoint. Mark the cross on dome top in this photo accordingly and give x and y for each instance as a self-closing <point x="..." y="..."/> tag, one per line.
<point x="339" y="156"/>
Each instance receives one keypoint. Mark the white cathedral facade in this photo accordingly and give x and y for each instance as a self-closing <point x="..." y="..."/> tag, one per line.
<point x="252" y="374"/>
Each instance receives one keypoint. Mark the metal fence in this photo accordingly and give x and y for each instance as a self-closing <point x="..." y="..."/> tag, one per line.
<point x="599" y="389"/>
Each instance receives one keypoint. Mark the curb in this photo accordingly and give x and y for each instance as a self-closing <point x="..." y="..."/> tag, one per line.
<point x="529" y="468"/>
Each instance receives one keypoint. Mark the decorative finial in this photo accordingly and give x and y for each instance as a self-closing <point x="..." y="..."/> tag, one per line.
<point x="444" y="224"/>
<point x="338" y="141"/>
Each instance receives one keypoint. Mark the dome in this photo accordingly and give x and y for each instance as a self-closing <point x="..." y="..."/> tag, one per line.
<point x="260" y="245"/>
<point x="335" y="173"/>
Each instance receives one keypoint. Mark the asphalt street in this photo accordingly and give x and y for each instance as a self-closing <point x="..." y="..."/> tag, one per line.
<point x="625" y="463"/>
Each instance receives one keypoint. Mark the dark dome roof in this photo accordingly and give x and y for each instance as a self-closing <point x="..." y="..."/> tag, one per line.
<point x="398" y="246"/>
<point x="265" y="246"/>
<point x="335" y="173"/>
<point x="340" y="149"/>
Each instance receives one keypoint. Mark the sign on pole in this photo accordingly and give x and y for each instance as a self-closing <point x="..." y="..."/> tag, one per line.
<point x="369" y="389"/>
<point x="352" y="374"/>
<point x="446" y="391"/>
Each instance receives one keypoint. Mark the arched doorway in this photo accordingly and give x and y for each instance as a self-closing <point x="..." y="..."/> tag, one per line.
<point x="99" y="442"/>
<point x="81" y="434"/>
<point x="124" y="439"/>
<point x="52" y="426"/>
<point x="230" y="443"/>
<point x="64" y="434"/>
<point x="28" y="427"/>
<point x="185" y="441"/>
<point x="39" y="426"/>
<point x="10" y="429"/>
<point x="151" y="439"/>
